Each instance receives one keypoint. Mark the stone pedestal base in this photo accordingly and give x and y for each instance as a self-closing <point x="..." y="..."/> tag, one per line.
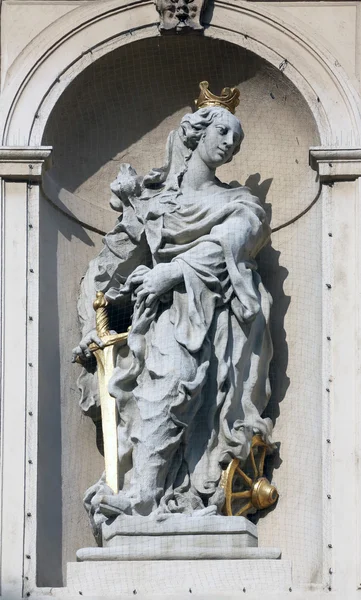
<point x="164" y="579"/>
<point x="176" y="555"/>
<point x="178" y="537"/>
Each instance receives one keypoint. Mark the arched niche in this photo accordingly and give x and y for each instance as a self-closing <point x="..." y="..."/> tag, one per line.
<point x="39" y="75"/>
<point x="121" y="108"/>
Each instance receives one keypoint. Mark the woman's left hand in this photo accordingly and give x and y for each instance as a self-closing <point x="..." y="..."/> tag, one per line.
<point x="158" y="281"/>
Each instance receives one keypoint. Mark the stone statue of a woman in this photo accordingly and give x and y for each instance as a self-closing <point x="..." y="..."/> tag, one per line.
<point x="192" y="387"/>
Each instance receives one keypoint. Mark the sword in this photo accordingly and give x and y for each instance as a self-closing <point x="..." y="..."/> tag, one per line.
<point x="106" y="359"/>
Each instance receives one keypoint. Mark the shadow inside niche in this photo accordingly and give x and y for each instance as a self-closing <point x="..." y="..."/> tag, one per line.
<point x="207" y="14"/>
<point x="54" y="395"/>
<point x="126" y="94"/>
<point x="260" y="189"/>
<point x="49" y="481"/>
<point x="273" y="276"/>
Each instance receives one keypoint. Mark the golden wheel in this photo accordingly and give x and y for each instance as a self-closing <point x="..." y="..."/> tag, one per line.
<point x="246" y="489"/>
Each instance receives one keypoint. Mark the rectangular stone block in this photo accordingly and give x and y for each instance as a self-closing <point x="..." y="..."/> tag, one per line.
<point x="162" y="579"/>
<point x="178" y="537"/>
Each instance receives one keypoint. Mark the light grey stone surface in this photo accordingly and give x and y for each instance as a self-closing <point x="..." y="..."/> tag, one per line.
<point x="177" y="525"/>
<point x="178" y="537"/>
<point x="162" y="579"/>
<point x="191" y="390"/>
<point x="189" y="547"/>
<point x="175" y="537"/>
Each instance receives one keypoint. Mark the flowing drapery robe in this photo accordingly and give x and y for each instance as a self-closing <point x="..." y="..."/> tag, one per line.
<point x="191" y="392"/>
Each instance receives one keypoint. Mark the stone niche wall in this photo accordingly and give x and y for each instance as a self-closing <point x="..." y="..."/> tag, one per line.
<point x="121" y="109"/>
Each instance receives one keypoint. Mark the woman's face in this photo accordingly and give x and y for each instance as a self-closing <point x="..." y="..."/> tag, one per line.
<point x="220" y="140"/>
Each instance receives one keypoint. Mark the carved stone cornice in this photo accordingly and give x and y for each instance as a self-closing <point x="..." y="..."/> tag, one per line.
<point x="336" y="164"/>
<point x="24" y="163"/>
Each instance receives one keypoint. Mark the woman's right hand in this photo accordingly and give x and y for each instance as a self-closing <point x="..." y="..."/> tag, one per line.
<point x="82" y="351"/>
<point x="136" y="278"/>
<point x="158" y="281"/>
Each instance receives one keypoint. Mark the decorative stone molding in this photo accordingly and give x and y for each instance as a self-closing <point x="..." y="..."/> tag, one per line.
<point x="68" y="46"/>
<point x="180" y="16"/>
<point x="341" y="164"/>
<point x="24" y="163"/>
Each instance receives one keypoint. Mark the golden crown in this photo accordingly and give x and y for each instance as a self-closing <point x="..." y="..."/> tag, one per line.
<point x="228" y="99"/>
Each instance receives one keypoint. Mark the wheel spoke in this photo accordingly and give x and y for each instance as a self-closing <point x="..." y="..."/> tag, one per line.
<point x="245" y="494"/>
<point x="243" y="510"/>
<point x="247" y="479"/>
<point x="254" y="466"/>
<point x="261" y="461"/>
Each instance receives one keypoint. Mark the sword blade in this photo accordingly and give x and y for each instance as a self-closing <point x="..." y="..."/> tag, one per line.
<point x="106" y="358"/>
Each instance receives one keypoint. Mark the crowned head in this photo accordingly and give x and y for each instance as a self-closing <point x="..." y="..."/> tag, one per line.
<point x="213" y="129"/>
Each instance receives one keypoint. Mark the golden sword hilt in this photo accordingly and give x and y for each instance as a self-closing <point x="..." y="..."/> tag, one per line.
<point x="101" y="315"/>
<point x="102" y="326"/>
